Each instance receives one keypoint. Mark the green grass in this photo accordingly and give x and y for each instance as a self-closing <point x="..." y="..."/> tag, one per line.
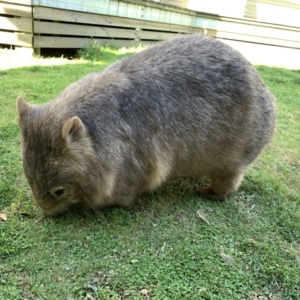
<point x="249" y="249"/>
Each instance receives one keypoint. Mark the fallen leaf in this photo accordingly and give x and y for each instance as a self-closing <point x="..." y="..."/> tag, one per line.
<point x="256" y="296"/>
<point x="3" y="217"/>
<point x="227" y="257"/>
<point x="202" y="217"/>
<point x="161" y="250"/>
<point x="163" y="247"/>
<point x="88" y="296"/>
<point x="92" y="287"/>
<point x="96" y="280"/>
<point x="144" y="291"/>
<point x="134" y="261"/>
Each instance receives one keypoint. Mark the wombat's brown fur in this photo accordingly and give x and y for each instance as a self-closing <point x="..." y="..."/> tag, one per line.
<point x="187" y="107"/>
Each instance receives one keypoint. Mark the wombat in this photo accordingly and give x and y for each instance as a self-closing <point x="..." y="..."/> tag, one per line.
<point x="190" y="106"/>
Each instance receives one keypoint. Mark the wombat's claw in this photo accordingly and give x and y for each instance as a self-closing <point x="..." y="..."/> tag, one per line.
<point x="210" y="193"/>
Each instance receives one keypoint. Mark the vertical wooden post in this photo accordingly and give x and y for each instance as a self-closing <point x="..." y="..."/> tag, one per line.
<point x="36" y="51"/>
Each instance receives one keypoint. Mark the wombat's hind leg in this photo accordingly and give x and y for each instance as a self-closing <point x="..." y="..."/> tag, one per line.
<point x="223" y="185"/>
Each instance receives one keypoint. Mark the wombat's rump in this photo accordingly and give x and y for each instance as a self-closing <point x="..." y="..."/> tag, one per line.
<point x="187" y="107"/>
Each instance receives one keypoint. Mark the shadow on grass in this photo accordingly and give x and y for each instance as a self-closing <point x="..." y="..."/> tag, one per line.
<point x="176" y="196"/>
<point x="177" y="199"/>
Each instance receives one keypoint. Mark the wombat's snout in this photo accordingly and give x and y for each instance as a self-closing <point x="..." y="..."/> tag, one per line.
<point x="54" y="201"/>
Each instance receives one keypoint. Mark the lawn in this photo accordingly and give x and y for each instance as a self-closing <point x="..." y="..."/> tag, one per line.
<point x="172" y="244"/>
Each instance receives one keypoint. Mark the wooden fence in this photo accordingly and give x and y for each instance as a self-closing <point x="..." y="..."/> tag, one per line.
<point x="79" y="27"/>
<point x="16" y="23"/>
<point x="27" y="25"/>
<point x="40" y="24"/>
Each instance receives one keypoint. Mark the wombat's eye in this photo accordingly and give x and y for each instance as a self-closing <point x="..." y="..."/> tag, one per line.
<point x="57" y="191"/>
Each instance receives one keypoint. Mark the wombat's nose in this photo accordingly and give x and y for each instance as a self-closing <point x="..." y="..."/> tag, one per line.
<point x="57" y="191"/>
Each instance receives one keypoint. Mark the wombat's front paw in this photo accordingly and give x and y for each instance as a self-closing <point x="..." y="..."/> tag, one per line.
<point x="210" y="193"/>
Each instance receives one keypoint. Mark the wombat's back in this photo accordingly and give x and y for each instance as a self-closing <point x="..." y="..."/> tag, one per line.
<point x="190" y="106"/>
<point x="198" y="92"/>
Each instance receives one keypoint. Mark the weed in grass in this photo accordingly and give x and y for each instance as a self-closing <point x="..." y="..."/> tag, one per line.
<point x="249" y="250"/>
<point x="92" y="52"/>
<point x="106" y="53"/>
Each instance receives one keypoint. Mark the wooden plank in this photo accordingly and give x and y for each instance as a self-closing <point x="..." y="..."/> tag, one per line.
<point x="69" y="42"/>
<point x="275" y="12"/>
<point x="154" y="35"/>
<point x="250" y="10"/>
<point x="259" y="31"/>
<point x="178" y="3"/>
<point x="16" y="39"/>
<point x="82" y="30"/>
<point x="229" y="8"/>
<point x="259" y="23"/>
<point x="259" y="40"/>
<point x="135" y="9"/>
<point x="112" y="6"/>
<point x="45" y="13"/>
<point x="259" y="54"/>
<point x="23" y="2"/>
<point x="284" y="3"/>
<point x="15" y="10"/>
<point x="16" y="24"/>
<point x="97" y="31"/>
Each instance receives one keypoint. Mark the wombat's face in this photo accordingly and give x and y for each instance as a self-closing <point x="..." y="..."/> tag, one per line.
<point x="57" y="159"/>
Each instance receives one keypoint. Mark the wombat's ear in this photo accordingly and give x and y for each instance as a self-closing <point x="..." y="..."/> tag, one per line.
<point x="22" y="106"/>
<point x="73" y="130"/>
